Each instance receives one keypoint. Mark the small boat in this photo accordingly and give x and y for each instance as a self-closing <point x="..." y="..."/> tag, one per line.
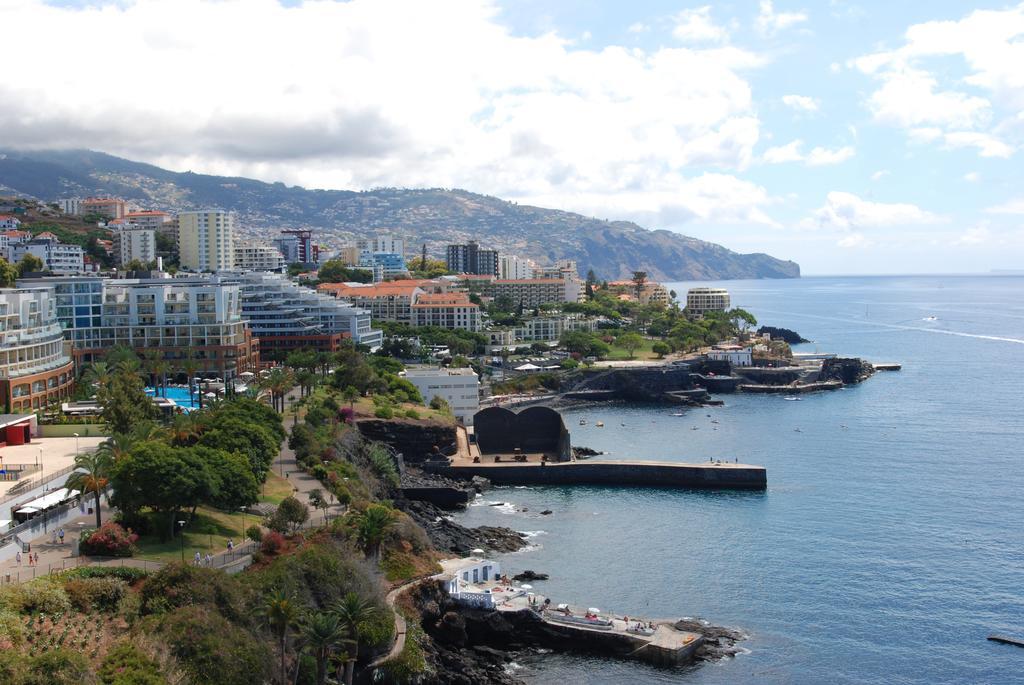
<point x="793" y="399"/>
<point x="931" y="318"/>
<point x="694" y="428"/>
<point x="599" y="424"/>
<point x="583" y="422"/>
<point x="714" y="420"/>
<point x="678" y="413"/>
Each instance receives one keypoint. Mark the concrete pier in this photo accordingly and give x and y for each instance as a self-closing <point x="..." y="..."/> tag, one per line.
<point x="711" y="475"/>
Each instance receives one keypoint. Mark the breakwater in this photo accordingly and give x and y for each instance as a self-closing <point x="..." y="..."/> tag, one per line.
<point x="712" y="475"/>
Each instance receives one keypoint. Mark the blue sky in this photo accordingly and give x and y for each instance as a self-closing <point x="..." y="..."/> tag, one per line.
<point x="852" y="137"/>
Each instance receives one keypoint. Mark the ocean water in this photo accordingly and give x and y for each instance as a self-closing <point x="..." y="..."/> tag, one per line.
<point x="890" y="541"/>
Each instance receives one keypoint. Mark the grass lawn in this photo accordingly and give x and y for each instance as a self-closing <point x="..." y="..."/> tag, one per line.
<point x="642" y="352"/>
<point x="212" y="528"/>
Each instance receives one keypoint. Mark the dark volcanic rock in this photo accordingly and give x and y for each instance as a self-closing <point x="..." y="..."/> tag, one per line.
<point x="530" y="575"/>
<point x="448" y="536"/>
<point x="791" y="337"/>
<point x="584" y="452"/>
<point x="416" y="440"/>
<point x="718" y="642"/>
<point x="847" y="370"/>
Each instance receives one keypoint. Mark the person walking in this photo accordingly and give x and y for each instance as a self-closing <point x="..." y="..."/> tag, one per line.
<point x="61" y="534"/>
<point x="209" y="560"/>
<point x="18" y="557"/>
<point x="231" y="544"/>
<point x="37" y="558"/>
<point x="198" y="560"/>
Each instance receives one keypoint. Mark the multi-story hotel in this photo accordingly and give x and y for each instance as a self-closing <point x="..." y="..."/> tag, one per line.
<point x="546" y="329"/>
<point x="650" y="292"/>
<point x="514" y="268"/>
<point x="151" y="219"/>
<point x="701" y="300"/>
<point x="35" y="368"/>
<point x="192" y="316"/>
<point x="447" y="310"/>
<point x="285" y="317"/>
<point x="206" y="240"/>
<point x="255" y="257"/>
<point x="460" y="388"/>
<point x="381" y="243"/>
<point x="132" y="242"/>
<point x="55" y="255"/>
<point x="528" y="292"/>
<point x="385" y="301"/>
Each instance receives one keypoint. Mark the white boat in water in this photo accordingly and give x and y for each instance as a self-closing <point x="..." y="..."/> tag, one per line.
<point x="792" y="399"/>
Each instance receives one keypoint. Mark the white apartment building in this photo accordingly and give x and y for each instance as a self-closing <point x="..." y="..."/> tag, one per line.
<point x="447" y="310"/>
<point x="151" y="219"/>
<point x="532" y="292"/>
<point x="382" y="243"/>
<point x="701" y="300"/>
<point x="70" y="205"/>
<point x="385" y="301"/>
<point x="35" y="368"/>
<point x="734" y="354"/>
<point x="9" y="222"/>
<point x="546" y="329"/>
<point x="513" y="268"/>
<point x="133" y="242"/>
<point x="56" y="256"/>
<point x="255" y="257"/>
<point x="460" y="388"/>
<point x="206" y="240"/>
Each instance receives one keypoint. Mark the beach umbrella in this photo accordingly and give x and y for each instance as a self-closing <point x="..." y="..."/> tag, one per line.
<point x="478" y="551"/>
<point x="594" y="610"/>
<point x="526" y="587"/>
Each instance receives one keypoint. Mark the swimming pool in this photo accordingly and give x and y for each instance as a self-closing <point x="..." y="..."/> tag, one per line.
<point x="180" y="397"/>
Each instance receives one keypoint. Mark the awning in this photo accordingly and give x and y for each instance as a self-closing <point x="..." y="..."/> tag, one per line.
<point x="27" y="510"/>
<point x="48" y="500"/>
<point x="528" y="367"/>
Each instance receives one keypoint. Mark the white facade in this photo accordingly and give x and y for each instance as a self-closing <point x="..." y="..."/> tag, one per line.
<point x="734" y="354"/>
<point x="206" y="240"/>
<point x="70" y="205"/>
<point x="515" y="268"/>
<point x="701" y="300"/>
<point x="9" y="222"/>
<point x="134" y="242"/>
<point x="56" y="256"/>
<point x="382" y="243"/>
<point x="253" y="257"/>
<point x="460" y="388"/>
<point x="469" y="580"/>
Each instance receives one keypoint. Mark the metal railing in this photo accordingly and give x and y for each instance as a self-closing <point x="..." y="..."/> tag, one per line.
<point x="28" y="484"/>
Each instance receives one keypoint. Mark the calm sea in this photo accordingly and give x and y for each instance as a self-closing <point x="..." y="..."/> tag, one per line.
<point x="890" y="541"/>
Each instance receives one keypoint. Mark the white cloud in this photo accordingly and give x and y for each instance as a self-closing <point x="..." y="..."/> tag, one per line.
<point x="697" y="26"/>
<point x="846" y="211"/>
<point x="638" y="27"/>
<point x="921" y="85"/>
<point x="1015" y="206"/>
<point x="880" y="174"/>
<point x="769" y="22"/>
<point x="819" y="156"/>
<point x="342" y="95"/>
<point x="853" y="240"/>
<point x="801" y="103"/>
<point x="976" y="235"/>
<point x="972" y="177"/>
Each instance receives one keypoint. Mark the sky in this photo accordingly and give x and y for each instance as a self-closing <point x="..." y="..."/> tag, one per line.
<point x="849" y="136"/>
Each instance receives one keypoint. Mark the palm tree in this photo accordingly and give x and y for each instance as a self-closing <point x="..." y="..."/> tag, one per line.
<point x="322" y="633"/>
<point x="279" y="381"/>
<point x="281" y="614"/>
<point x="91" y="474"/>
<point x="190" y="366"/>
<point x="185" y="429"/>
<point x="353" y="612"/>
<point x="371" y="526"/>
<point x="97" y="375"/>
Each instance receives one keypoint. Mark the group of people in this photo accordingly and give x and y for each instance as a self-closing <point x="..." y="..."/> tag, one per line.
<point x="200" y="560"/>
<point x="57" y="534"/>
<point x="33" y="558"/>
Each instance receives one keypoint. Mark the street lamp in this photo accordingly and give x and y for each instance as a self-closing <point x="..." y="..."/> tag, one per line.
<point x="181" y="536"/>
<point x="76" y="445"/>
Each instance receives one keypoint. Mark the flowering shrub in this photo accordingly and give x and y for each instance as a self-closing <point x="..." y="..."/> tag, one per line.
<point x="103" y="594"/>
<point x="273" y="542"/>
<point x="110" y="540"/>
<point x="346" y="414"/>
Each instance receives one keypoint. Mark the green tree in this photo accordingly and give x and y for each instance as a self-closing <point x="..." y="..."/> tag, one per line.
<point x="29" y="264"/>
<point x="235" y="486"/>
<point x="322" y="634"/>
<point x="353" y="613"/>
<point x="92" y="474"/>
<point x="639" y="281"/>
<point x="742" y="320"/>
<point x="630" y="342"/>
<point x="166" y="479"/>
<point x="8" y="273"/>
<point x="123" y="400"/>
<point x="318" y="501"/>
<point x="336" y="271"/>
<point x="350" y="395"/>
<point x="660" y="348"/>
<point x="371" y="527"/>
<point x="279" y="381"/>
<point x="281" y="614"/>
<point x="290" y="514"/>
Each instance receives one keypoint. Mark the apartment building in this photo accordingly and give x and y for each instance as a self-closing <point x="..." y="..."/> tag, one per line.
<point x="512" y="268"/>
<point x="385" y="301"/>
<point x="35" y="367"/>
<point x="381" y="243"/>
<point x="447" y="310"/>
<point x="109" y="207"/>
<point x="151" y="219"/>
<point x="206" y="240"/>
<point x="470" y="259"/>
<point x="255" y="257"/>
<point x="285" y="316"/>
<point x="650" y="292"/>
<point x="528" y="293"/>
<point x="9" y="222"/>
<point x="296" y="246"/>
<point x="702" y="300"/>
<point x="132" y="242"/>
<point x="197" y="316"/>
<point x="546" y="329"/>
<point x="460" y="388"/>
<point x="384" y="265"/>
<point x="55" y="255"/>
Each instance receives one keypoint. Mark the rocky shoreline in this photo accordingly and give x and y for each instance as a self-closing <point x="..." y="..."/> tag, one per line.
<point x="470" y="645"/>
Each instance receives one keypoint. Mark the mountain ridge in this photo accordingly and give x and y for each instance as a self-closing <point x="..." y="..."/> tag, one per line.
<point x="435" y="216"/>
